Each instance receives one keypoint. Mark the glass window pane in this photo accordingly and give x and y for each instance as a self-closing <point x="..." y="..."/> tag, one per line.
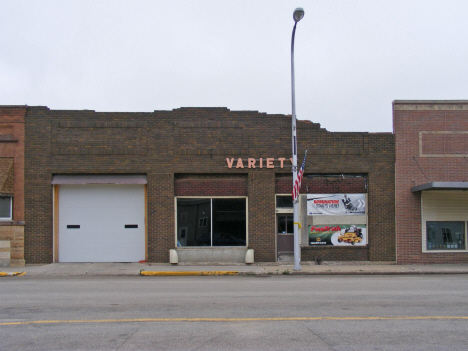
<point x="193" y="222"/>
<point x="229" y="222"/>
<point x="5" y="204"/>
<point x="445" y="235"/>
<point x="282" y="225"/>
<point x="290" y="224"/>
<point x="285" y="224"/>
<point x="284" y="201"/>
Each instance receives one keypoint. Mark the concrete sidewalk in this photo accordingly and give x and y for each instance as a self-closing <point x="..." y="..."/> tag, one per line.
<point x="161" y="269"/>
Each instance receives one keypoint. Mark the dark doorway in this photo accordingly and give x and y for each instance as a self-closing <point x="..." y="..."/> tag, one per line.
<point x="285" y="237"/>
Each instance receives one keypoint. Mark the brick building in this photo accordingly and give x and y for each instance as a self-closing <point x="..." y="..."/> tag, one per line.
<point x="12" y="185"/>
<point x="431" y="147"/>
<point x="201" y="184"/>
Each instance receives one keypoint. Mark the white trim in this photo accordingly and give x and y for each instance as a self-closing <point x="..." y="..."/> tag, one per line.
<point x="81" y="179"/>
<point x="280" y="210"/>
<point x="423" y="229"/>
<point x="54" y="229"/>
<point x="211" y="223"/>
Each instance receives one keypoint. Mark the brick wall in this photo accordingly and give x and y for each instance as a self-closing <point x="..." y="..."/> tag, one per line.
<point x="184" y="151"/>
<point x="211" y="185"/>
<point x="12" y="140"/>
<point x="323" y="184"/>
<point x="381" y="215"/>
<point x="262" y="218"/>
<point x="161" y="222"/>
<point x="14" y="233"/>
<point x="337" y="253"/>
<point x="38" y="233"/>
<point x="430" y="144"/>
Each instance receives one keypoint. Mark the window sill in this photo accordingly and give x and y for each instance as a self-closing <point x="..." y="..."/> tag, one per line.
<point x="210" y="247"/>
<point x="443" y="251"/>
<point x="336" y="247"/>
<point x="6" y="222"/>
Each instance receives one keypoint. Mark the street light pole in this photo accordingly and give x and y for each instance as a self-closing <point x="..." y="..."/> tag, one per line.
<point x="297" y="15"/>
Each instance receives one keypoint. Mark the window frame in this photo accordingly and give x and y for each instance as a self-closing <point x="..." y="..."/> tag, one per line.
<point x="425" y="242"/>
<point x="428" y="196"/>
<point x="210" y="219"/>
<point x="10" y="218"/>
<point x="283" y="209"/>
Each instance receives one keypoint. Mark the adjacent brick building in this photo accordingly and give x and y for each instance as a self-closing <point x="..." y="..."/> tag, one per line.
<point x="12" y="185"/>
<point x="431" y="145"/>
<point x="199" y="184"/>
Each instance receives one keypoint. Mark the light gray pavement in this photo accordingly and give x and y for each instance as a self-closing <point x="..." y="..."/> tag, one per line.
<point x="326" y="268"/>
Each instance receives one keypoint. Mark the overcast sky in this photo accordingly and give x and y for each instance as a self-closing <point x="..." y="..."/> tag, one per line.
<point x="352" y="57"/>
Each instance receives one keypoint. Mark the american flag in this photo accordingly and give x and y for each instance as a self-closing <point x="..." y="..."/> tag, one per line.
<point x="297" y="183"/>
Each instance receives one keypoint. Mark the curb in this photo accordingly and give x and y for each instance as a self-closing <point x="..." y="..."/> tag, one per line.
<point x="188" y="273"/>
<point x="12" y="274"/>
<point x="206" y="273"/>
<point x="362" y="273"/>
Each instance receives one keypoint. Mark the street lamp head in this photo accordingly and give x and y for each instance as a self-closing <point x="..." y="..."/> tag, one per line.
<point x="298" y="14"/>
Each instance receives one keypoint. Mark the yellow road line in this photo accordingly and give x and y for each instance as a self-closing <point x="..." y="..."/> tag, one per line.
<point x="279" y="319"/>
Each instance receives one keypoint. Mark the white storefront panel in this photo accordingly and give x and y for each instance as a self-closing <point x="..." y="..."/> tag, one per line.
<point x="439" y="207"/>
<point x="101" y="223"/>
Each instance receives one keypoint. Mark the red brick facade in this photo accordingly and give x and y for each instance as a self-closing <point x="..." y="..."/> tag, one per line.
<point x="431" y="145"/>
<point x="12" y="149"/>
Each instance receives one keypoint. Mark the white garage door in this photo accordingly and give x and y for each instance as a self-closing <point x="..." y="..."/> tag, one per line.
<point x="101" y="223"/>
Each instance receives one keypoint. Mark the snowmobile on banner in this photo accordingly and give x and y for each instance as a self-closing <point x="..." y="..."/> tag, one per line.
<point x="348" y="205"/>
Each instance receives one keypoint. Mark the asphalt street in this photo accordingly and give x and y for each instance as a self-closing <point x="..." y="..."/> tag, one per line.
<point x="422" y="312"/>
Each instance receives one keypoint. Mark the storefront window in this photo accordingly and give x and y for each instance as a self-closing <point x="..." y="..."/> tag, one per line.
<point x="211" y="222"/>
<point x="5" y="208"/>
<point x="445" y="235"/>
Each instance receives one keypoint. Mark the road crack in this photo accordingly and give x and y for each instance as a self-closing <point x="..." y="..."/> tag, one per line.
<point x="318" y="336"/>
<point x="129" y="337"/>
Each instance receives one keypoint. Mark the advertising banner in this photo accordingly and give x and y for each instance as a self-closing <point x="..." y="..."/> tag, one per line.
<point x="336" y="204"/>
<point x="338" y="235"/>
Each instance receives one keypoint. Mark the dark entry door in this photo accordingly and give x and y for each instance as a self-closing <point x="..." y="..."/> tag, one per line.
<point x="285" y="237"/>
